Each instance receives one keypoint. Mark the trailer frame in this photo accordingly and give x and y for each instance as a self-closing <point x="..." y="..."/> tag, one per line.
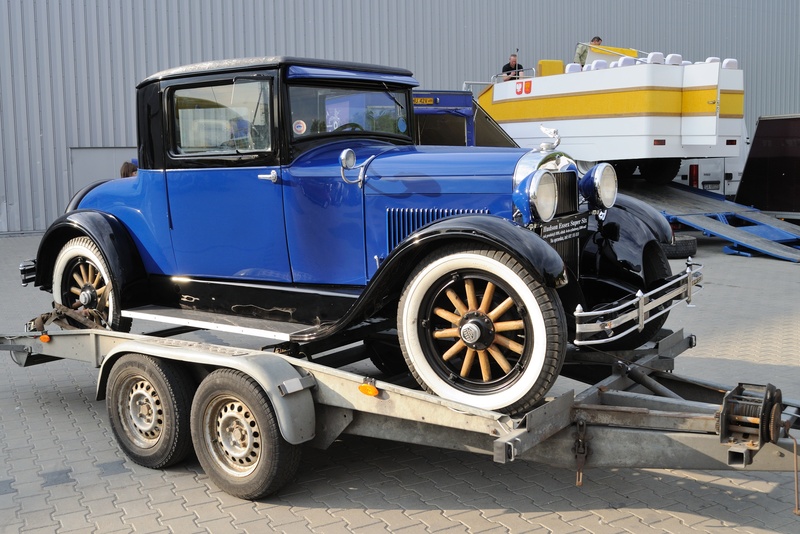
<point x="637" y="414"/>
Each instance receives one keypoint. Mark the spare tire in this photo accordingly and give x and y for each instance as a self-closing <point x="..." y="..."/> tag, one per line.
<point x="685" y="246"/>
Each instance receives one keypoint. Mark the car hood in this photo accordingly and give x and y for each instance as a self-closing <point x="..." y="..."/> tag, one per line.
<point x="442" y="170"/>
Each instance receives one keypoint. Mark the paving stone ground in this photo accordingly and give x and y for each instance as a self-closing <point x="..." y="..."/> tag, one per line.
<point x="61" y="470"/>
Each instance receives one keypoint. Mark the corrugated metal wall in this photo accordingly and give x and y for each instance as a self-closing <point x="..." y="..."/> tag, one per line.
<point x="68" y="68"/>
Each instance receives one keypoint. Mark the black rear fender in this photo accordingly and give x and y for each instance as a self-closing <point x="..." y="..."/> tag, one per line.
<point x="111" y="237"/>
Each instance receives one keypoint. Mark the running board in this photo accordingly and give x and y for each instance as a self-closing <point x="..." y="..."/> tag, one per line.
<point x="248" y="326"/>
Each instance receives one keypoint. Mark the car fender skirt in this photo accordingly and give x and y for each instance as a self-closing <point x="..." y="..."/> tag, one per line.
<point x="108" y="233"/>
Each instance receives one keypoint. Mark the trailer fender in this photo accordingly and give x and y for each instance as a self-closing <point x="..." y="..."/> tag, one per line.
<point x="288" y="388"/>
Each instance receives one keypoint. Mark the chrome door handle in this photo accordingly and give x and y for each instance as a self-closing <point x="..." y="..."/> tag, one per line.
<point x="272" y="177"/>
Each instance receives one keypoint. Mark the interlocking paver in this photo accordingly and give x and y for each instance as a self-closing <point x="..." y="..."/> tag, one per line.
<point x="49" y="423"/>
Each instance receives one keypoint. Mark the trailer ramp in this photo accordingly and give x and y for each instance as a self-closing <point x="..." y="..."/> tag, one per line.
<point x="747" y="229"/>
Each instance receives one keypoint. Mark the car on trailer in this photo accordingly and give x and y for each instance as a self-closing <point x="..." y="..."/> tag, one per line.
<point x="289" y="196"/>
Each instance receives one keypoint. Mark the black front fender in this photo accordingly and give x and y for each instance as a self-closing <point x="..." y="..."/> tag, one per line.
<point x="619" y="254"/>
<point x="527" y="247"/>
<point x="111" y="237"/>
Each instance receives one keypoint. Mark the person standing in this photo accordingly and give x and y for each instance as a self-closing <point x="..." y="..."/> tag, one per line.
<point x="583" y="49"/>
<point x="512" y="70"/>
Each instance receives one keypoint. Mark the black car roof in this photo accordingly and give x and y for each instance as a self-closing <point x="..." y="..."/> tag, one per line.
<point x="255" y="63"/>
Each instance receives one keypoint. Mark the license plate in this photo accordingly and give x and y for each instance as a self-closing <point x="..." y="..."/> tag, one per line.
<point x="711" y="186"/>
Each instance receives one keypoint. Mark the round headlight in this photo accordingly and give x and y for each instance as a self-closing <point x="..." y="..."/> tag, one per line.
<point x="544" y="195"/>
<point x="607" y="185"/>
<point x="599" y="186"/>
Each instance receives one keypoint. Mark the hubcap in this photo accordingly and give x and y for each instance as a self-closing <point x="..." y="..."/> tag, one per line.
<point x="233" y="436"/>
<point x="145" y="414"/>
<point x="477" y="330"/>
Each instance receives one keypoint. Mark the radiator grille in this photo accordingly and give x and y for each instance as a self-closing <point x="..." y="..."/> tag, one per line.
<point x="402" y="222"/>
<point x="567" y="184"/>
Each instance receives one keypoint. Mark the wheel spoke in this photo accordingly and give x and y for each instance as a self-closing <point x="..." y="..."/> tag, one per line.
<point x="486" y="369"/>
<point x="77" y="278"/>
<point x="469" y="360"/>
<point x="472" y="299"/>
<point x="500" y="359"/>
<point x="75" y="290"/>
<point x="504" y="306"/>
<point x="84" y="274"/>
<point x="457" y="347"/>
<point x="461" y="308"/>
<point x="446" y="333"/>
<point x="507" y="343"/>
<point x="506" y="326"/>
<point x="488" y="295"/>
<point x="447" y="315"/>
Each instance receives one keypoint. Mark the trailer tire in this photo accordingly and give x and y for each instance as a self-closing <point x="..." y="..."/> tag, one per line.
<point x="148" y="401"/>
<point x="237" y="439"/>
<point x="659" y="171"/>
<point x="476" y="327"/>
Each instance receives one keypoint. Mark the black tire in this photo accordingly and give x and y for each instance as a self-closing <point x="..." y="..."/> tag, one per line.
<point x="625" y="168"/>
<point x="237" y="439"/>
<point x="656" y="268"/>
<point x="496" y="342"/>
<point x="386" y="355"/>
<point x="83" y="282"/>
<point x="659" y="171"/>
<point x="685" y="246"/>
<point x="148" y="401"/>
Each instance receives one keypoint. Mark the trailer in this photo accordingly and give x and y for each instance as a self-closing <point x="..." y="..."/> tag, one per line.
<point x="649" y="111"/>
<point x="247" y="412"/>
<point x="747" y="230"/>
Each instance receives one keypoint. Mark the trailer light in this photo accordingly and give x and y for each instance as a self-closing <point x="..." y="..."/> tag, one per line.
<point x="659" y="142"/>
<point x="44" y="338"/>
<point x="730" y="142"/>
<point x="368" y="389"/>
<point x="694" y="175"/>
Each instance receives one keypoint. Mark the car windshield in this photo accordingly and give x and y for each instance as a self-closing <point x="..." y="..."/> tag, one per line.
<point x="325" y="110"/>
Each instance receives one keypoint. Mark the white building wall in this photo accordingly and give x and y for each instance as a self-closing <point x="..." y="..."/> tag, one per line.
<point x="68" y="69"/>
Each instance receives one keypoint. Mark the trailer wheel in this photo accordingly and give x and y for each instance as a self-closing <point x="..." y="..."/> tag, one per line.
<point x="148" y="401"/>
<point x="237" y="438"/>
<point x="83" y="282"/>
<point x="477" y="328"/>
<point x="656" y="269"/>
<point x="659" y="170"/>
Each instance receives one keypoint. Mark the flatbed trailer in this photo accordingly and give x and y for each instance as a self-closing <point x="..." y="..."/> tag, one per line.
<point x="633" y="412"/>
<point x="747" y="229"/>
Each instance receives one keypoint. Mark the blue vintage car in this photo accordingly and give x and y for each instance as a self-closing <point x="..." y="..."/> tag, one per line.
<point x="289" y="195"/>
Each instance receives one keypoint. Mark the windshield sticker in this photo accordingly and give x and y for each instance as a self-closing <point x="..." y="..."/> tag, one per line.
<point x="299" y="127"/>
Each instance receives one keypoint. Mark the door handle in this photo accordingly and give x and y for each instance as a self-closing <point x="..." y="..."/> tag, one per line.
<point x="272" y="177"/>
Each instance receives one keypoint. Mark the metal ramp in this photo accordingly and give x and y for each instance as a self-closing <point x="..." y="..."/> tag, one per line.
<point x="747" y="229"/>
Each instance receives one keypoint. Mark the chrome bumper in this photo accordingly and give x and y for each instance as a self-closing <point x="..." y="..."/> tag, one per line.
<point x="27" y="271"/>
<point x="600" y="326"/>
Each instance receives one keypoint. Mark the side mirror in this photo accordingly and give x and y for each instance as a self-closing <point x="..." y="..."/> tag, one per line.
<point x="347" y="159"/>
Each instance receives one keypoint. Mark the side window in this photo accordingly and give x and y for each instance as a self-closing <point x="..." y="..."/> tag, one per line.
<point x="227" y="118"/>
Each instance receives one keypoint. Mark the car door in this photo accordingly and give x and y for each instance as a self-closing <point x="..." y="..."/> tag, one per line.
<point x="224" y="182"/>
